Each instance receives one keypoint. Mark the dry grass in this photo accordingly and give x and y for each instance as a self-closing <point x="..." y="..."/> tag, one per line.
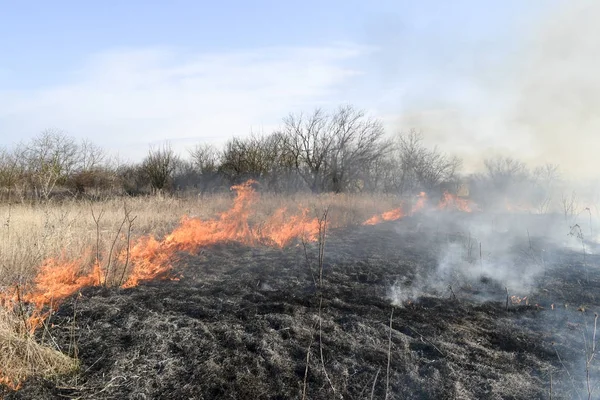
<point x="30" y="234"/>
<point x="21" y="356"/>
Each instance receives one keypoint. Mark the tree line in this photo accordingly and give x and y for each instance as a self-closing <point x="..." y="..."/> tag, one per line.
<point x="340" y="151"/>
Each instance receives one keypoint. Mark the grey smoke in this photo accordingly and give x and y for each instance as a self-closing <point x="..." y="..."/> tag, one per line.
<point x="538" y="103"/>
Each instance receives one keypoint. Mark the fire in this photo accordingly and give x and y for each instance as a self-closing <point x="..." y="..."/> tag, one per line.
<point x="420" y="204"/>
<point x="449" y="201"/>
<point x="10" y="383"/>
<point x="150" y="258"/>
<point x="59" y="278"/>
<point x="398" y="213"/>
<point x="281" y="229"/>
<point x="391" y="215"/>
<point x="519" y="300"/>
<point x="516" y="207"/>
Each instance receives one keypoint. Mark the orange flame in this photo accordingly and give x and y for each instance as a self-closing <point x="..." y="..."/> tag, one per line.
<point x="149" y="258"/>
<point x="516" y="207"/>
<point x="519" y="300"/>
<point x="398" y="213"/>
<point x="391" y="215"/>
<point x="9" y="383"/>
<point x="449" y="201"/>
<point x="420" y="204"/>
<point x="59" y="278"/>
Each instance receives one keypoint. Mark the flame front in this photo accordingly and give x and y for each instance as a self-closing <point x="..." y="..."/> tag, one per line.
<point x="451" y="201"/>
<point x="150" y="258"/>
<point x="391" y="215"/>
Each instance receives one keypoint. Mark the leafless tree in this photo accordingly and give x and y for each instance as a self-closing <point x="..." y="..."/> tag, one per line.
<point x="49" y="159"/>
<point x="261" y="157"/>
<point x="330" y="150"/>
<point x="11" y="172"/>
<point x="504" y="171"/>
<point x="91" y="156"/>
<point x="358" y="143"/>
<point x="203" y="170"/>
<point x="159" y="166"/>
<point x="245" y="158"/>
<point x="206" y="158"/>
<point x="309" y="142"/>
<point x="419" y="168"/>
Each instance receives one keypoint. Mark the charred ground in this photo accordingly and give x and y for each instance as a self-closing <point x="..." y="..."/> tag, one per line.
<point x="240" y="321"/>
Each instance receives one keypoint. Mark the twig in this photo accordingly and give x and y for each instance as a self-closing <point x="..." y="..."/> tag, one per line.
<point x="374" y="382"/>
<point x="321" y="346"/>
<point x="308" y="263"/>
<point x="97" y="222"/>
<point x="112" y="247"/>
<point x="72" y="342"/>
<point x="452" y="292"/>
<point x="590" y="358"/>
<point x="480" y="258"/>
<point x="322" y="235"/>
<point x="304" y="386"/>
<point x="566" y="370"/>
<point x="127" y="255"/>
<point x="387" y="375"/>
<point x="22" y="310"/>
<point x="551" y="394"/>
<point x="427" y="340"/>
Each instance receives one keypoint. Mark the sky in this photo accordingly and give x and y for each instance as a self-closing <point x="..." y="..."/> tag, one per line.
<point x="131" y="74"/>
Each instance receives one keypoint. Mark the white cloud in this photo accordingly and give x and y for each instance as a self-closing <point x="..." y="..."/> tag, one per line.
<point x="127" y="98"/>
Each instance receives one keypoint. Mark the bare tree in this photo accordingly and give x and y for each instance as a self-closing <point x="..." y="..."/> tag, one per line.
<point x="358" y="142"/>
<point x="49" y="158"/>
<point x="504" y="171"/>
<point x="205" y="163"/>
<point x="262" y="157"/>
<point x="206" y="158"/>
<point x="330" y="151"/>
<point x="420" y="168"/>
<point x="245" y="158"/>
<point x="91" y="156"/>
<point x="159" y="166"/>
<point x="309" y="142"/>
<point x="11" y="172"/>
<point x="544" y="186"/>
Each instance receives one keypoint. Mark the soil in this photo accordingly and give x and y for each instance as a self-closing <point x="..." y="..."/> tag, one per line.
<point x="242" y="322"/>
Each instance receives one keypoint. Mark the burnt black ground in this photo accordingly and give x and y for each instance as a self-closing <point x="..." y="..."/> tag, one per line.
<point x="240" y="321"/>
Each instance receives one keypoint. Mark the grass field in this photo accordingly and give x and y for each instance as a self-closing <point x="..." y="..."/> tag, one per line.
<point x="432" y="299"/>
<point x="31" y="235"/>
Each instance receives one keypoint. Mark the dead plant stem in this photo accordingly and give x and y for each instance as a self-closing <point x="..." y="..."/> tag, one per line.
<point x="387" y="374"/>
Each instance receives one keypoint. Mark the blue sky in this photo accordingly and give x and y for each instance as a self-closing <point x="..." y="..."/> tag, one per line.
<point x="127" y="74"/>
<point x="43" y="41"/>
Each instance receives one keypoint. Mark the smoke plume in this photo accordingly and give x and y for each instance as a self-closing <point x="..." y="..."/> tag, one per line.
<point x="538" y="103"/>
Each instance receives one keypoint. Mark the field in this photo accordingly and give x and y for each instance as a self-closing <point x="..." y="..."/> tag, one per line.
<point x="296" y="297"/>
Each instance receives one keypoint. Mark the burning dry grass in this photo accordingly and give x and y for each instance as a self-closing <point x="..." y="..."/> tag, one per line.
<point x="50" y="251"/>
<point x="30" y="234"/>
<point x="22" y="356"/>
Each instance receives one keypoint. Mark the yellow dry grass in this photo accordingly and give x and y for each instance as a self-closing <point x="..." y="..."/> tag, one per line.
<point x="22" y="356"/>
